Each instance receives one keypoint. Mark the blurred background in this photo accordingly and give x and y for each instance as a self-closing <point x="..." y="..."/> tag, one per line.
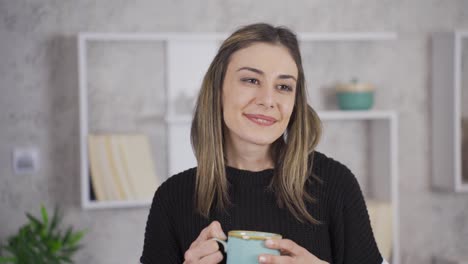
<point x="127" y="92"/>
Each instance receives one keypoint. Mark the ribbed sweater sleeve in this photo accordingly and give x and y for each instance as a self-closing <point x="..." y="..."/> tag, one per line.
<point x="160" y="244"/>
<point x="358" y="242"/>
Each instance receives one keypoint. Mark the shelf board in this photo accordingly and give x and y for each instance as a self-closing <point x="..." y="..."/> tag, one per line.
<point x="347" y="36"/>
<point x="462" y="188"/>
<point x="324" y="115"/>
<point x="98" y="36"/>
<point x="115" y="204"/>
<point x="462" y="34"/>
<point x="356" y="115"/>
<point x="179" y="119"/>
<point x="302" y="36"/>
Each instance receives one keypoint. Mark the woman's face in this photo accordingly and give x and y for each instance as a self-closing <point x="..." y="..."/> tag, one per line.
<point x="258" y="94"/>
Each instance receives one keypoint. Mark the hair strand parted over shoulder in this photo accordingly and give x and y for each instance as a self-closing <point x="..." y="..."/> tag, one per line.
<point x="292" y="154"/>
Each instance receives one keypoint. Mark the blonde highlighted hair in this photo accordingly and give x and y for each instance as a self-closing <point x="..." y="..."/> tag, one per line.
<point x="292" y="153"/>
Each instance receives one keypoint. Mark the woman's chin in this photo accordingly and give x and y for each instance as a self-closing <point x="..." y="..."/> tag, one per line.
<point x="262" y="141"/>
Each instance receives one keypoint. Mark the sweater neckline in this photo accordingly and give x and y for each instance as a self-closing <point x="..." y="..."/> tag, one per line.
<point x="245" y="177"/>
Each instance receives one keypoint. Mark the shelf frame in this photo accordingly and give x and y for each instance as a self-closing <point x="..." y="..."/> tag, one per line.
<point x="385" y="120"/>
<point x="85" y="37"/>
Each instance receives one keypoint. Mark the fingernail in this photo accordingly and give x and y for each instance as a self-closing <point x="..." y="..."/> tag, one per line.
<point x="262" y="259"/>
<point x="269" y="242"/>
<point x="223" y="236"/>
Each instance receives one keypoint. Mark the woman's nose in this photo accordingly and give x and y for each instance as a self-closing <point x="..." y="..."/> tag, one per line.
<point x="265" y="97"/>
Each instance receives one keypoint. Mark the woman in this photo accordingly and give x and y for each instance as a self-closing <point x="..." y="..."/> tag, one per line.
<point x="254" y="136"/>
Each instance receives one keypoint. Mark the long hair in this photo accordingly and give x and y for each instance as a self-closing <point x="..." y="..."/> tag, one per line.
<point x="292" y="153"/>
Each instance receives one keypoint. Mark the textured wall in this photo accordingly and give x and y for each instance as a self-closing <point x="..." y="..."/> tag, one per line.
<point x="39" y="103"/>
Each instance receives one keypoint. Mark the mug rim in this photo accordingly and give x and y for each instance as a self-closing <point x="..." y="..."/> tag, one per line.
<point x="237" y="234"/>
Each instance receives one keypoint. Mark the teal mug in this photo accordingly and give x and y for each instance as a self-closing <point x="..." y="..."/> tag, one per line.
<point x="245" y="246"/>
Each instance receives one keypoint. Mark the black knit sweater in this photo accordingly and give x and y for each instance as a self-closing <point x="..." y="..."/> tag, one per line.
<point x="345" y="235"/>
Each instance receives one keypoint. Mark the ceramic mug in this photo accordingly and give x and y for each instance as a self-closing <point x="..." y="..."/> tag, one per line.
<point x="245" y="246"/>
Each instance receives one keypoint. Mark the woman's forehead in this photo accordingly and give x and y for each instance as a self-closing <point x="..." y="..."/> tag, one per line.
<point x="269" y="58"/>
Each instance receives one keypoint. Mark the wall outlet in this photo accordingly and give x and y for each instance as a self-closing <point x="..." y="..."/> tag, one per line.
<point x="25" y="160"/>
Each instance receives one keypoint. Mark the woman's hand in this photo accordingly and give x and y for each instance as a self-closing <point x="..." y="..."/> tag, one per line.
<point x="290" y="253"/>
<point x="204" y="250"/>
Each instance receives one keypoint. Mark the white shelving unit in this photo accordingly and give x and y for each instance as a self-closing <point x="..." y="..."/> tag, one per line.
<point x="384" y="124"/>
<point x="383" y="160"/>
<point x="446" y="111"/>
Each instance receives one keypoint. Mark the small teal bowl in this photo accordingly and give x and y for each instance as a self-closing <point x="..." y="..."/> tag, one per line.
<point x="355" y="100"/>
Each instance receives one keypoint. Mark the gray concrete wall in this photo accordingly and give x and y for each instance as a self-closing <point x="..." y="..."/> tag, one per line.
<point x="39" y="102"/>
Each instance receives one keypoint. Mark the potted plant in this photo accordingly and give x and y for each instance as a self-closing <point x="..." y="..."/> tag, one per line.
<point x="42" y="241"/>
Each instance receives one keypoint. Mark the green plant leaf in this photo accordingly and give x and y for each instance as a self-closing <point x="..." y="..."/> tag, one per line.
<point x="45" y="217"/>
<point x="7" y="260"/>
<point x="66" y="259"/>
<point x="42" y="242"/>
<point x="56" y="218"/>
<point x="76" y="237"/>
<point x="67" y="236"/>
<point x="55" y="246"/>
<point x="33" y="220"/>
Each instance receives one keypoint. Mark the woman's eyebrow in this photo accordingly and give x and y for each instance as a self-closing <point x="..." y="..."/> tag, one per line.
<point x="252" y="70"/>
<point x="282" y="76"/>
<point x="287" y="76"/>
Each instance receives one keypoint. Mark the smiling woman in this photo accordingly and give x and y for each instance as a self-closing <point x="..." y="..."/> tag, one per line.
<point x="257" y="100"/>
<point x="254" y="137"/>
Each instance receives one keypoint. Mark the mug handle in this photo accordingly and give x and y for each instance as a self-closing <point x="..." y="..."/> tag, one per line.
<point x="222" y="242"/>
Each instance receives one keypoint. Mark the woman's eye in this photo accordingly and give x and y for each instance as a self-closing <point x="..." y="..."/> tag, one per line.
<point x="250" y="80"/>
<point x="284" y="87"/>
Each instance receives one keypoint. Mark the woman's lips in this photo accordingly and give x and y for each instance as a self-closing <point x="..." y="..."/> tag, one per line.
<point x="261" y="119"/>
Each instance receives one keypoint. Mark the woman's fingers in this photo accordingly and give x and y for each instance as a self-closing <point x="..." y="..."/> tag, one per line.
<point x="203" y="250"/>
<point x="213" y="258"/>
<point x="286" y="246"/>
<point x="270" y="259"/>
<point x="290" y="253"/>
<point x="211" y="231"/>
<point x="214" y="230"/>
